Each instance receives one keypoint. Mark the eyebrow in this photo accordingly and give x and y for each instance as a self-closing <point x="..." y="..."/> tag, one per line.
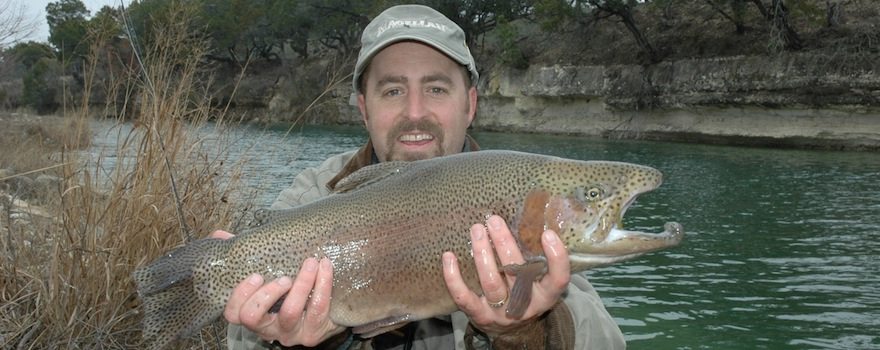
<point x="437" y="77"/>
<point x="389" y="79"/>
<point x="443" y="78"/>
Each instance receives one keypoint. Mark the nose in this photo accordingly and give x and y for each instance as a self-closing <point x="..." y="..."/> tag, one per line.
<point x="415" y="105"/>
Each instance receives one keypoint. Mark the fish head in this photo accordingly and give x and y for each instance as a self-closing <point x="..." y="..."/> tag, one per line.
<point x="584" y="202"/>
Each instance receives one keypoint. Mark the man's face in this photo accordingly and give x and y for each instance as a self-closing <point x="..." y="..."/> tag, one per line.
<point x="415" y="103"/>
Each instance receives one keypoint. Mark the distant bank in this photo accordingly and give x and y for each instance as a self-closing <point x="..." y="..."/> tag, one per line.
<point x="794" y="100"/>
<point x="802" y="101"/>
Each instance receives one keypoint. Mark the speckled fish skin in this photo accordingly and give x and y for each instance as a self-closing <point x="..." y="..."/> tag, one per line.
<point x="385" y="237"/>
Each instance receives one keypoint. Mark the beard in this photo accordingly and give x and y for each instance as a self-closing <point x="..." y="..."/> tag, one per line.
<point x="407" y="126"/>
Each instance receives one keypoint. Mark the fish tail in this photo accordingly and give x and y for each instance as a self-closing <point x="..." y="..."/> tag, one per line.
<point x="173" y="310"/>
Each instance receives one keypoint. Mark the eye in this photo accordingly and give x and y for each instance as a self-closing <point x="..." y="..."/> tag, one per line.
<point x="393" y="92"/>
<point x="436" y="90"/>
<point x="590" y="194"/>
<point x="594" y="193"/>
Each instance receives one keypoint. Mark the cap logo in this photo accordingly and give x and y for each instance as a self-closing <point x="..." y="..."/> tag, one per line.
<point x="411" y="24"/>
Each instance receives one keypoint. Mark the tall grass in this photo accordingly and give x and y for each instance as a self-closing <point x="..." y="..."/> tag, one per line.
<point x="66" y="280"/>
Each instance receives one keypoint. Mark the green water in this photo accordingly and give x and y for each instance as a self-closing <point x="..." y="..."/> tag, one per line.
<point x="781" y="249"/>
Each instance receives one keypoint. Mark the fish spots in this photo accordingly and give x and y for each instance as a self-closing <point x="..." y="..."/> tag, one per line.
<point x="386" y="239"/>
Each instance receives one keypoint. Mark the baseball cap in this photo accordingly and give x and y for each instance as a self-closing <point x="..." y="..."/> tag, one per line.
<point x="413" y="22"/>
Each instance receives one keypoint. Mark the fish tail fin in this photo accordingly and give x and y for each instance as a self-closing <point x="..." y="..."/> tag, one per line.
<point x="173" y="310"/>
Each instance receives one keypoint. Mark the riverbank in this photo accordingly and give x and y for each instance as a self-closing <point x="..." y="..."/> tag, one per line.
<point x="806" y="100"/>
<point x="742" y="126"/>
<point x="803" y="101"/>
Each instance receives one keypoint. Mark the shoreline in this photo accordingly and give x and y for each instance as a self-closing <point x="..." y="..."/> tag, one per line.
<point x="797" y="128"/>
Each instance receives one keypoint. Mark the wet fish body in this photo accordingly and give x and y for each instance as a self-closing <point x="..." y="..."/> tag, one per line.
<point x="386" y="229"/>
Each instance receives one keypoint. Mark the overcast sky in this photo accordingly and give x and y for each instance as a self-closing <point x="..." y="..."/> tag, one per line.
<point x="37" y="9"/>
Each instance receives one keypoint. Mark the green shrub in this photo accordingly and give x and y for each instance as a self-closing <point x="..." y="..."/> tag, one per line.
<point x="39" y="86"/>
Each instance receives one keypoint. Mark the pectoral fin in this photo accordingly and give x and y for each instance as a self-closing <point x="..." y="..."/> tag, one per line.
<point x="384" y="325"/>
<point x="521" y="294"/>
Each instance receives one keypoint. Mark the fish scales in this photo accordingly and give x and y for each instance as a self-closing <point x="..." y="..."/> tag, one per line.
<point x="386" y="233"/>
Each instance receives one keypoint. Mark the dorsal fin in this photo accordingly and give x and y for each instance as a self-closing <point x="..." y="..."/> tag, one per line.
<point x="261" y="217"/>
<point x="369" y="175"/>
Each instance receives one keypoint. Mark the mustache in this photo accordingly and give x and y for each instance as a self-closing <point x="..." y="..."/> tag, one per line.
<point x="423" y="125"/>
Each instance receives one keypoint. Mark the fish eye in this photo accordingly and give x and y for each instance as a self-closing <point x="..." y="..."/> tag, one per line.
<point x="590" y="194"/>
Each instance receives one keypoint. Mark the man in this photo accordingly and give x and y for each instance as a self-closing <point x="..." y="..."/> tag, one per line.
<point x="415" y="83"/>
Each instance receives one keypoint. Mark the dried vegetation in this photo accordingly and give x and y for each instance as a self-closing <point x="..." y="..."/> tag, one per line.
<point x="67" y="254"/>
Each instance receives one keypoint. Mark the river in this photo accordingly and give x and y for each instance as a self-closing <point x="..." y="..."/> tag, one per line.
<point x="781" y="249"/>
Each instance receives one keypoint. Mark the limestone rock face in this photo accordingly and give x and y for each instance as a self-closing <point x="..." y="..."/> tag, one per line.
<point x="789" y="100"/>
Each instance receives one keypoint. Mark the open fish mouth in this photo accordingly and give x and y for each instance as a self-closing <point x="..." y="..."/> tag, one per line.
<point x="672" y="235"/>
<point x="620" y="244"/>
<point x="615" y="244"/>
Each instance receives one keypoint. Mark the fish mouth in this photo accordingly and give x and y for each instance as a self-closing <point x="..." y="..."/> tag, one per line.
<point x="605" y="241"/>
<point x="620" y="244"/>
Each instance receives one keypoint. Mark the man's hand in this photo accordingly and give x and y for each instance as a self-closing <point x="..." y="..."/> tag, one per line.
<point x="304" y="317"/>
<point x="496" y="285"/>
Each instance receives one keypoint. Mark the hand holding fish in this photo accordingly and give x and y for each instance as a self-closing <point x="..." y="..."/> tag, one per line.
<point x="295" y="323"/>
<point x="487" y="312"/>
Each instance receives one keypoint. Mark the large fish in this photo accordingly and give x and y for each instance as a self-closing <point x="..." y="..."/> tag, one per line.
<point x="386" y="228"/>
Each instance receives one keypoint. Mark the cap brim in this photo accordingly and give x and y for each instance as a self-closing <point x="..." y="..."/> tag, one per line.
<point x="359" y="71"/>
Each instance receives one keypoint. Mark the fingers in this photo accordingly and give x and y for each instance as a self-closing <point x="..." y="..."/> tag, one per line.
<point x="495" y="240"/>
<point x="304" y="315"/>
<point x="240" y="294"/>
<point x="492" y="244"/>
<point x="558" y="265"/>
<point x="492" y="281"/>
<point x="505" y="245"/>
<point x="461" y="294"/>
<point x="291" y="310"/>
<point x="313" y="325"/>
<point x="254" y="314"/>
<point x="319" y="303"/>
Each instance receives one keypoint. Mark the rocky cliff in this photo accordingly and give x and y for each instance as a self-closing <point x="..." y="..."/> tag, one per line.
<point x="797" y="100"/>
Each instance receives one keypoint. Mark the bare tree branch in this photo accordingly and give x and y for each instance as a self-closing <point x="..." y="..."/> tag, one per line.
<point x="15" y="25"/>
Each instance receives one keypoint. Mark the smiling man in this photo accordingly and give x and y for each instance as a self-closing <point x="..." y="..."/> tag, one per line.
<point x="416" y="102"/>
<point x="415" y="82"/>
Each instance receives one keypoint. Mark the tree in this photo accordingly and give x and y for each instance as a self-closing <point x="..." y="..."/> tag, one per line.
<point x="291" y="24"/>
<point x="106" y="21"/>
<point x="340" y="22"/>
<point x="477" y="17"/>
<point x="552" y="13"/>
<point x="734" y="13"/>
<point x="233" y="26"/>
<point x="14" y="23"/>
<point x="67" y="27"/>
<point x="39" y="88"/>
<point x="29" y="53"/>
<point x="623" y="10"/>
<point x="782" y="35"/>
<point x="140" y="20"/>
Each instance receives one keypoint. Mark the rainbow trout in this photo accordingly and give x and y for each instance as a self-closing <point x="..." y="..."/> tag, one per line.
<point x="387" y="226"/>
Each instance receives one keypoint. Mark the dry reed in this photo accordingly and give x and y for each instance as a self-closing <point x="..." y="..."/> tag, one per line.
<point x="66" y="279"/>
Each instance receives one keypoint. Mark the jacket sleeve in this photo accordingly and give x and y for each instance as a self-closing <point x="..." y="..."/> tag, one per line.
<point x="553" y="330"/>
<point x="311" y="184"/>
<point x="579" y="322"/>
